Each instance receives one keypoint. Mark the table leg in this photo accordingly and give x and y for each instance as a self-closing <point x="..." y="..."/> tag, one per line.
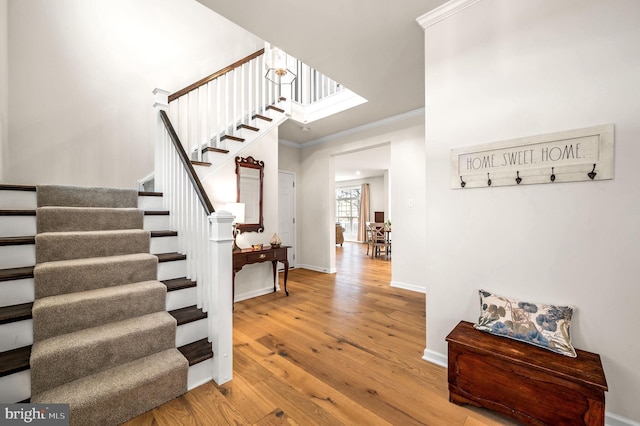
<point x="286" y="273"/>
<point x="275" y="274"/>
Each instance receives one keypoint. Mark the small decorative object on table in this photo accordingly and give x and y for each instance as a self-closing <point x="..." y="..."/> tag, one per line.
<point x="275" y="241"/>
<point x="256" y="247"/>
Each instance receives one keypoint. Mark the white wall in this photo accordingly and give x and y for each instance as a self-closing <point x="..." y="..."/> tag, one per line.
<point x="81" y="76"/>
<point x="257" y="279"/>
<point x="4" y="86"/>
<point x="316" y="199"/>
<point x="500" y="70"/>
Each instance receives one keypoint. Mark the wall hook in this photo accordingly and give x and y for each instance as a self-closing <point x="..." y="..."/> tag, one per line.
<point x="553" y="176"/>
<point x="488" y="180"/>
<point x="462" y="183"/>
<point x="518" y="178"/>
<point x="592" y="173"/>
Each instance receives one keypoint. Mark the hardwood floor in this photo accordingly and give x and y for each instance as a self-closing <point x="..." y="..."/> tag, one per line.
<point x="343" y="348"/>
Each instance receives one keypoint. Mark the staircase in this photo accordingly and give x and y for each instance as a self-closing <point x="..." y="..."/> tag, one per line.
<point x="83" y="317"/>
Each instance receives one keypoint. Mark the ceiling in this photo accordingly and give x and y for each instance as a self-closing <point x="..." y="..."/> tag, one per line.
<point x="362" y="164"/>
<point x="375" y="48"/>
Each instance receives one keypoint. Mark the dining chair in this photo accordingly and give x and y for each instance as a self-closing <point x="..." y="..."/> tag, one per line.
<point x="379" y="240"/>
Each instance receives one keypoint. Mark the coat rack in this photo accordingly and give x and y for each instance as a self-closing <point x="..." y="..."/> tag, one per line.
<point x="569" y="156"/>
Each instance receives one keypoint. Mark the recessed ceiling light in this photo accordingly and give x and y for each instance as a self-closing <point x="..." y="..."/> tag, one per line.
<point x="357" y="172"/>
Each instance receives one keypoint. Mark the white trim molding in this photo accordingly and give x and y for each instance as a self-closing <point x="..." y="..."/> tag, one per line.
<point x="410" y="287"/>
<point x="611" y="419"/>
<point x="435" y="358"/>
<point x="318" y="269"/>
<point x="443" y="12"/>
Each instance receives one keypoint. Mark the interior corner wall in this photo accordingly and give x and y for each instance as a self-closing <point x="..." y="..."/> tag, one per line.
<point x="500" y="70"/>
<point x="81" y="76"/>
<point x="4" y="86"/>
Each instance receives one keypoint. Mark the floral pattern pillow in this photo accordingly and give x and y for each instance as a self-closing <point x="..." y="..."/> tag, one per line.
<point x="546" y="326"/>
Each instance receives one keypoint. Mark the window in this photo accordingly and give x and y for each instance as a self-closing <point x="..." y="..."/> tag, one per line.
<point x="348" y="211"/>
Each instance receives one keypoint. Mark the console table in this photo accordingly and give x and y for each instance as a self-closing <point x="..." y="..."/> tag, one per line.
<point x="530" y="384"/>
<point x="271" y="254"/>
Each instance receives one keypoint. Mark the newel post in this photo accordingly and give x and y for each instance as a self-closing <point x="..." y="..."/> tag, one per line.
<point x="221" y="296"/>
<point x="161" y="103"/>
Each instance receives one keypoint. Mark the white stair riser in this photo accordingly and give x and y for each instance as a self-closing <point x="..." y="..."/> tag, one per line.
<point x="17" y="226"/>
<point x="164" y="245"/>
<point x="20" y="226"/>
<point x="156" y="223"/>
<point x="16" y="335"/>
<point x="150" y="203"/>
<point x="15" y="387"/>
<point x="191" y="332"/>
<point x="199" y="374"/>
<point x="213" y="157"/>
<point x="16" y="292"/>
<point x="17" y="200"/>
<point x="17" y="256"/>
<point x="181" y="298"/>
<point x="169" y="270"/>
<point x="27" y="200"/>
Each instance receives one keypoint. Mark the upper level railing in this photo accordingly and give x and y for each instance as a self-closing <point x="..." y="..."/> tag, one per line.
<point x="218" y="105"/>
<point x="311" y="85"/>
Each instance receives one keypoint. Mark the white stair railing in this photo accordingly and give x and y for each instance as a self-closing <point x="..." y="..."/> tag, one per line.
<point x="312" y="86"/>
<point x="203" y="235"/>
<point x="215" y="107"/>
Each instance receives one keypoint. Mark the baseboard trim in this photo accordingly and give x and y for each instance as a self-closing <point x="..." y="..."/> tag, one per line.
<point x="252" y="294"/>
<point x="410" y="287"/>
<point x="611" y="419"/>
<point x="435" y="358"/>
<point x="318" y="269"/>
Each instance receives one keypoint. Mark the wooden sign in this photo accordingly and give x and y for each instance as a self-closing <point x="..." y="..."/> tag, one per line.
<point x="570" y="156"/>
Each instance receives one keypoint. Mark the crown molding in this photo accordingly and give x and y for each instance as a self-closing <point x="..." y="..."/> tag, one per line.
<point x="443" y="11"/>
<point x="289" y="143"/>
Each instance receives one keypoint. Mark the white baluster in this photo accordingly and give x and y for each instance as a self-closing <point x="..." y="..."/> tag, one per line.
<point x="226" y="102"/>
<point x="209" y="114"/>
<point x="217" y="114"/>
<point x="243" y="88"/>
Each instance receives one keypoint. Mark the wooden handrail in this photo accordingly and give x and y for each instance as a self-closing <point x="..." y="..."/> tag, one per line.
<point x="193" y="177"/>
<point x="215" y="75"/>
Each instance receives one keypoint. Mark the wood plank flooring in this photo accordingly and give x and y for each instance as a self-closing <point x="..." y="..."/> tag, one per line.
<point x="342" y="349"/>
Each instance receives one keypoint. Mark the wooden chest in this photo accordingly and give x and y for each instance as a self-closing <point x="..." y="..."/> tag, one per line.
<point x="530" y="384"/>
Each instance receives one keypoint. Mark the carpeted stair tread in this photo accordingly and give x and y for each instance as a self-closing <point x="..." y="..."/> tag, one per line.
<point x="113" y="396"/>
<point x="78" y="196"/>
<point x="78" y="219"/>
<point x="68" y="357"/>
<point x="52" y="246"/>
<point x="66" y="313"/>
<point x="68" y="276"/>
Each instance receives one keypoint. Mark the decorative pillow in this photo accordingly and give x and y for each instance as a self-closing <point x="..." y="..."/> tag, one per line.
<point x="546" y="326"/>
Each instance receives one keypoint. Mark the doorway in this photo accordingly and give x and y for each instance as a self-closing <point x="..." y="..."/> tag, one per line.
<point x="287" y="213"/>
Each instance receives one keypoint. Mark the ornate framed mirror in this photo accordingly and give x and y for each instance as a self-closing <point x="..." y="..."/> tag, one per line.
<point x="249" y="178"/>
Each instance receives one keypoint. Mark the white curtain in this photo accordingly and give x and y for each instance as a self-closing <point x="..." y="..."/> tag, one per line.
<point x="364" y="212"/>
